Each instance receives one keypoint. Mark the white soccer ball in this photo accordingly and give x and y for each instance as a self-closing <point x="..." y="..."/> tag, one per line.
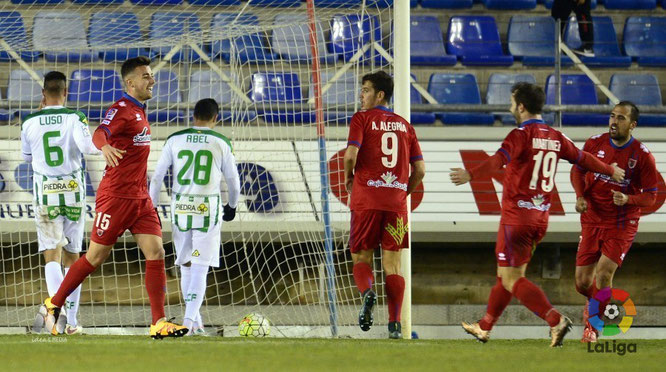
<point x="254" y="325"/>
<point x="611" y="311"/>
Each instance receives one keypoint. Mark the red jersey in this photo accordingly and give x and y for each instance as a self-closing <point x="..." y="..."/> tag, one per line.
<point x="387" y="145"/>
<point x="127" y="129"/>
<point x="640" y="176"/>
<point x="531" y="153"/>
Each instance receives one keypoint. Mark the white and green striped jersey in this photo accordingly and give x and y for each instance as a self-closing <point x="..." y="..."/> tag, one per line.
<point x="200" y="158"/>
<point x="53" y="141"/>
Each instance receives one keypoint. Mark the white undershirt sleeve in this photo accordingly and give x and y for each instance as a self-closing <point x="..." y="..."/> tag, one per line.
<point x="230" y="172"/>
<point x="26" y="151"/>
<point x="160" y="171"/>
<point x="83" y="139"/>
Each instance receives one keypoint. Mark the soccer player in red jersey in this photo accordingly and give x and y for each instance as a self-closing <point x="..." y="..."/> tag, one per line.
<point x="380" y="148"/>
<point x="610" y="210"/>
<point x="122" y="201"/>
<point x="530" y="153"/>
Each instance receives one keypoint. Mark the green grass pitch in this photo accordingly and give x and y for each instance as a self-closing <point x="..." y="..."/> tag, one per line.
<point x="131" y="353"/>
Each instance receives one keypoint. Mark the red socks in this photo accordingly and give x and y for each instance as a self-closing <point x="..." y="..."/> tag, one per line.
<point x="75" y="276"/>
<point x="156" y="287"/>
<point x="497" y="302"/>
<point x="590" y="291"/>
<point x="395" y="292"/>
<point x="534" y="299"/>
<point x="363" y="276"/>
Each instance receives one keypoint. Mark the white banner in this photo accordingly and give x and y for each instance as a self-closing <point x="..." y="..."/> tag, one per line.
<point x="281" y="184"/>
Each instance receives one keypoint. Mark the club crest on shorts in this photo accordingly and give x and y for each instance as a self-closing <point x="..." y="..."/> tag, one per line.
<point x="398" y="231"/>
<point x="195" y="253"/>
<point x="100" y="232"/>
<point x="632" y="163"/>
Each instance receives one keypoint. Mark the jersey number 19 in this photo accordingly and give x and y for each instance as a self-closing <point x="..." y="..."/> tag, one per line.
<point x="546" y="164"/>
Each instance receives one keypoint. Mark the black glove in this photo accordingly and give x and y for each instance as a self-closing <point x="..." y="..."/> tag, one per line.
<point x="229" y="213"/>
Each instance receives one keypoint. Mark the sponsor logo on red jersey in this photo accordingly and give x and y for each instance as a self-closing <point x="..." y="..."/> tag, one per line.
<point x="143" y="138"/>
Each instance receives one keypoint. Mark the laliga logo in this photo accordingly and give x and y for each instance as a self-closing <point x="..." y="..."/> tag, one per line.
<point x="611" y="311"/>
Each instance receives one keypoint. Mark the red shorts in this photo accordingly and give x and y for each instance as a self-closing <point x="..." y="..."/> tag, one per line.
<point x="611" y="242"/>
<point x="115" y="215"/>
<point x="516" y="244"/>
<point x="369" y="228"/>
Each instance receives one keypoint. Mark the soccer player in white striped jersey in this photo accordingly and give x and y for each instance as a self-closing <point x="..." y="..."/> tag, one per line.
<point x="53" y="140"/>
<point x="200" y="157"/>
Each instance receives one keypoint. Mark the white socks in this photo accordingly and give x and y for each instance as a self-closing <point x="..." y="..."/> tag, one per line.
<point x="72" y="304"/>
<point x="193" y="286"/>
<point x="53" y="273"/>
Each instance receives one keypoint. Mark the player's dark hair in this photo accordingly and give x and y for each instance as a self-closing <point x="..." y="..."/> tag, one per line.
<point x="530" y="95"/>
<point x="381" y="81"/>
<point x="132" y="63"/>
<point x="55" y="82"/>
<point x="633" y="115"/>
<point x="206" y="109"/>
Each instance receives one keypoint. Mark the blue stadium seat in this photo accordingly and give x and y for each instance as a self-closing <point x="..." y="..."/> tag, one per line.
<point x="291" y="41"/>
<point x="171" y="26"/>
<point x="273" y="87"/>
<point x="427" y="43"/>
<point x="549" y="4"/>
<point x="93" y="90"/>
<point x="630" y="4"/>
<point x="23" y="88"/>
<point x="166" y="92"/>
<point x="417" y="117"/>
<point x="64" y="31"/>
<point x="276" y="3"/>
<point x="213" y="2"/>
<point x="532" y="40"/>
<point x="641" y="89"/>
<point x="208" y="84"/>
<point x="12" y="31"/>
<point x="343" y="91"/>
<point x="357" y="3"/>
<point x="38" y="2"/>
<point x="447" y="4"/>
<point x="499" y="92"/>
<point x="509" y="4"/>
<point x="645" y="40"/>
<point x="249" y="48"/>
<point x="114" y="28"/>
<point x="476" y="41"/>
<point x="458" y="89"/>
<point x="606" y="50"/>
<point x="576" y="90"/>
<point x="97" y="2"/>
<point x="157" y="2"/>
<point x="352" y="33"/>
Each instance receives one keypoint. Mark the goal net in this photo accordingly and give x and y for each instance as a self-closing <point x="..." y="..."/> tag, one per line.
<point x="286" y="96"/>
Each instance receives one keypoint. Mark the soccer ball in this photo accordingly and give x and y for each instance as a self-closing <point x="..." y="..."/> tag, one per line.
<point x="254" y="325"/>
<point x="611" y="311"/>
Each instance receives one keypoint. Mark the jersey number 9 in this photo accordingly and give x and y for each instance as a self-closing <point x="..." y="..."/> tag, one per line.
<point x="390" y="149"/>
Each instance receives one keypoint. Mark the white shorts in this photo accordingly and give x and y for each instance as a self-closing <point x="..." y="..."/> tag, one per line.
<point x="198" y="247"/>
<point x="52" y="233"/>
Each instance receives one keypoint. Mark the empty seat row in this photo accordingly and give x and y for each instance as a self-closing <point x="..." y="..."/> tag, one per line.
<point x="88" y="89"/>
<point x="474" y="40"/>
<point x="440" y="4"/>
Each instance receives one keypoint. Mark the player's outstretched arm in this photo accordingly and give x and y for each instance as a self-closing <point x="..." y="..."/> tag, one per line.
<point x="111" y="154"/>
<point x="489" y="166"/>
<point x="418" y="172"/>
<point x="350" y="162"/>
<point x="577" y="177"/>
<point x="590" y="162"/>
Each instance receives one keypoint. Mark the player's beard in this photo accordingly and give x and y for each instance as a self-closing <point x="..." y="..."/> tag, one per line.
<point x="618" y="136"/>
<point x="516" y="116"/>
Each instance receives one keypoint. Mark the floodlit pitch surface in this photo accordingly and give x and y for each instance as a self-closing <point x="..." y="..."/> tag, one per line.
<point x="130" y="353"/>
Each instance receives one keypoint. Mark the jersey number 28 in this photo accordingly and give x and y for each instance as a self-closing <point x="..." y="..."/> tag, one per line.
<point x="203" y="160"/>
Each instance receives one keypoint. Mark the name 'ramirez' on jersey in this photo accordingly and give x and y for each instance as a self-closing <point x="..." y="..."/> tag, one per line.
<point x="387" y="145"/>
